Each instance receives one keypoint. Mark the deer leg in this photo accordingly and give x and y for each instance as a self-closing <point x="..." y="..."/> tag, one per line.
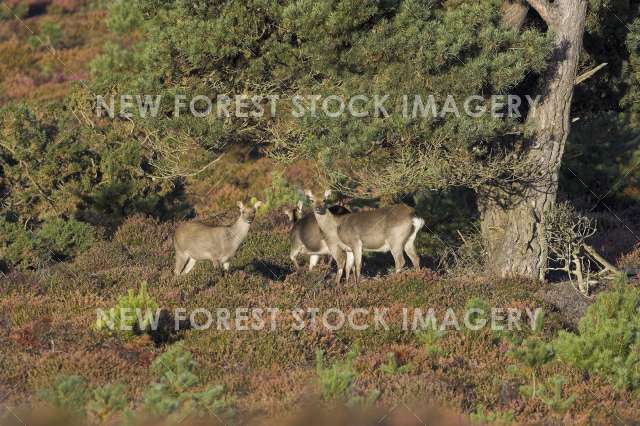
<point x="398" y="257"/>
<point x="409" y="246"/>
<point x="357" y="258"/>
<point x="339" y="256"/>
<point x="294" y="258"/>
<point x="348" y="265"/>
<point x="313" y="261"/>
<point x="181" y="260"/>
<point x="411" y="252"/>
<point x="190" y="264"/>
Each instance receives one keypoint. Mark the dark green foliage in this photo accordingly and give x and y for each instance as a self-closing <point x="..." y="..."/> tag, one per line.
<point x="65" y="238"/>
<point x="632" y="70"/>
<point x="604" y="152"/>
<point x="603" y="147"/>
<point x="60" y="179"/>
<point x="69" y="394"/>
<point x="17" y="245"/>
<point x="56" y="239"/>
<point x="178" y="392"/>
<point x="608" y="342"/>
<point x="340" y="48"/>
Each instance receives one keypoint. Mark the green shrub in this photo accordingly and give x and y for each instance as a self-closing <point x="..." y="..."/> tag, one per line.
<point x="107" y="401"/>
<point x="608" y="341"/>
<point x="551" y="394"/>
<point x="51" y="34"/>
<point x="336" y="380"/>
<point x="533" y="353"/>
<point x="176" y="394"/>
<point x="281" y="193"/>
<point x="65" y="238"/>
<point x="392" y="367"/>
<point x="124" y="16"/>
<point x="17" y="245"/>
<point x="429" y="339"/>
<point x="10" y="11"/>
<point x="52" y="168"/>
<point x="69" y="394"/>
<point x="133" y="313"/>
<point x="55" y="239"/>
<point x="483" y="415"/>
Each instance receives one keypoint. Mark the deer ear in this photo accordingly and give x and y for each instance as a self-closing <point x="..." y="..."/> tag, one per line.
<point x="327" y="193"/>
<point x="257" y="205"/>
<point x="308" y="193"/>
<point x="241" y="205"/>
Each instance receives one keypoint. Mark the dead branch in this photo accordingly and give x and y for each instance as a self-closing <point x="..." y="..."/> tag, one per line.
<point x="586" y="75"/>
<point x="601" y="260"/>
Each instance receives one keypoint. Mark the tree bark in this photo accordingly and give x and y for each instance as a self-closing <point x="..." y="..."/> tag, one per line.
<point x="512" y="216"/>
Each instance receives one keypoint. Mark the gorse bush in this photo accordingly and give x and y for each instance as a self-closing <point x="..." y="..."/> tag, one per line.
<point x="55" y="239"/>
<point x="60" y="178"/>
<point x="134" y="313"/>
<point x="608" y="339"/>
<point x="178" y="393"/>
<point x="65" y="238"/>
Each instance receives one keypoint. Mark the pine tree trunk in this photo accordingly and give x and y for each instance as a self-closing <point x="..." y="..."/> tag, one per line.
<point x="512" y="216"/>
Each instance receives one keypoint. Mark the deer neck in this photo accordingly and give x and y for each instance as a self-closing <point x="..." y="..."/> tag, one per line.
<point x="239" y="231"/>
<point x="327" y="223"/>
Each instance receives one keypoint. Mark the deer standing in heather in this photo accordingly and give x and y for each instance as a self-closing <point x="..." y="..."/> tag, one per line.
<point x="195" y="241"/>
<point x="305" y="236"/>
<point x="392" y="228"/>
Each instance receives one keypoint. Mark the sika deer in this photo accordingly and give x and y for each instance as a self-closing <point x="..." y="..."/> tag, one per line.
<point x="195" y="241"/>
<point x="392" y="228"/>
<point x="305" y="236"/>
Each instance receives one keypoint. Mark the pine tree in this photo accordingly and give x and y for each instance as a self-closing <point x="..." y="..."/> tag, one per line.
<point x="453" y="48"/>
